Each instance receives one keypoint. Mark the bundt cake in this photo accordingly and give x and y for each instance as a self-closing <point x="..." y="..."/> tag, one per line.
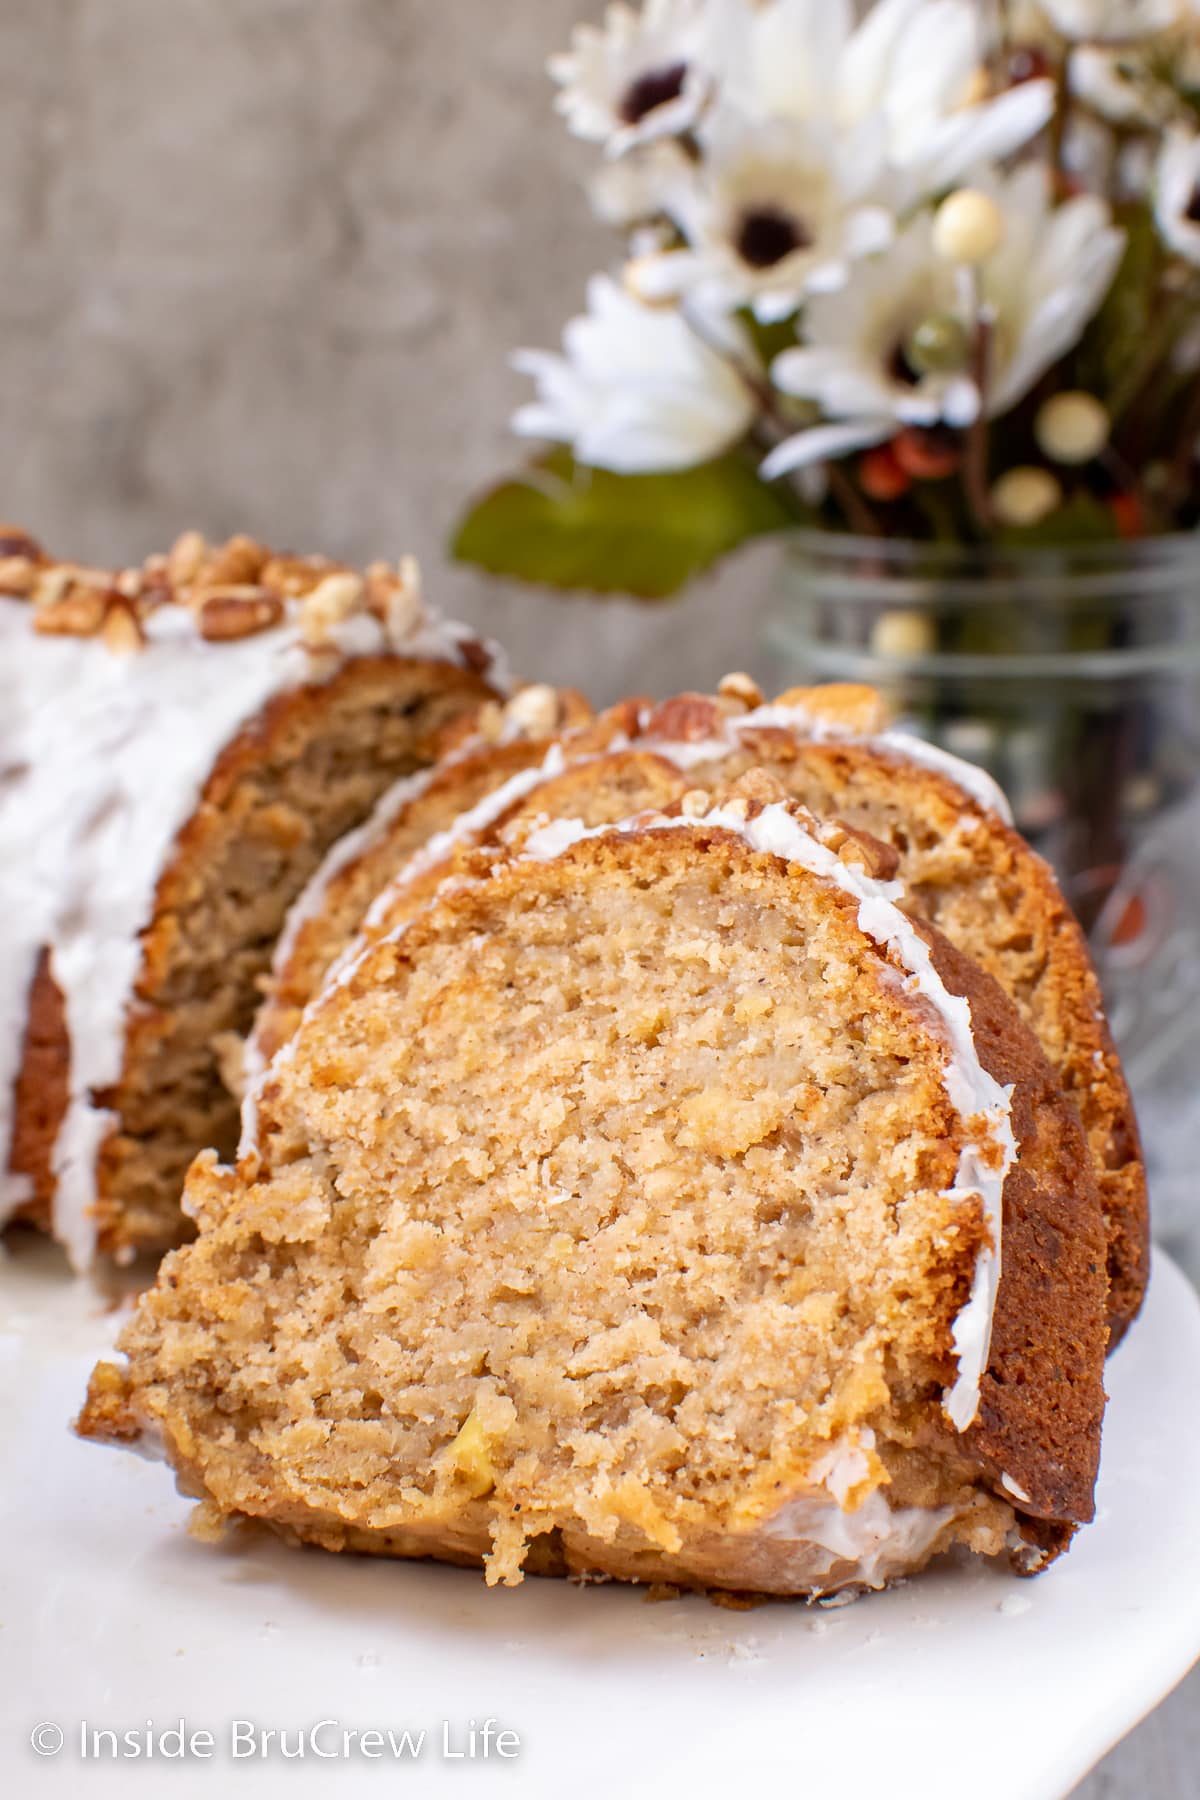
<point x="655" y="1199"/>
<point x="180" y="744"/>
<point x="964" y="868"/>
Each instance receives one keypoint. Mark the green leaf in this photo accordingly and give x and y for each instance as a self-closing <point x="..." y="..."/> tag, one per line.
<point x="568" y="526"/>
<point x="769" y="339"/>
<point x="1116" y="341"/>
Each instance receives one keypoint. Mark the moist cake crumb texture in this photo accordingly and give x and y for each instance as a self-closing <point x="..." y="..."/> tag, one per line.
<point x="620" y="1174"/>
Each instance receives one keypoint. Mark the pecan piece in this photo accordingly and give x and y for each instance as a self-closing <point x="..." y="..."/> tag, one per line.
<point x="122" y="629"/>
<point x="15" y="542"/>
<point x="18" y="575"/>
<point x="77" y="612"/>
<point x="229" y="613"/>
<point x="329" y="604"/>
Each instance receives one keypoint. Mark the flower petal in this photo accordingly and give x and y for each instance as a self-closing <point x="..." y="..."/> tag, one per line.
<point x="824" y="443"/>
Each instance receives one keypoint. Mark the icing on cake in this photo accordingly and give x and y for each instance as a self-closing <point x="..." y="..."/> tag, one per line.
<point x="107" y="737"/>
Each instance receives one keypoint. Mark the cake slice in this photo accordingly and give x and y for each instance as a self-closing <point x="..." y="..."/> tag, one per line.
<point x="488" y="752"/>
<point x="180" y="743"/>
<point x="658" y="1201"/>
<point x="964" y="867"/>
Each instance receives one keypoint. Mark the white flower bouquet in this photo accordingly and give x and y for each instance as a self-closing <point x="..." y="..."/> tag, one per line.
<point x="930" y="273"/>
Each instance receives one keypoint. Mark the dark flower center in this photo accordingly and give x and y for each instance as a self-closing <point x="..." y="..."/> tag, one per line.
<point x="903" y="371"/>
<point x="1192" y="215"/>
<point x="657" y="87"/>
<point x="768" y="234"/>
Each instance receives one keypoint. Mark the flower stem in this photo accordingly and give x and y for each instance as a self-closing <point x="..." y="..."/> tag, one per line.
<point x="1058" y="122"/>
<point x="1179" y="480"/>
<point x="975" y="453"/>
<point x="859" y="515"/>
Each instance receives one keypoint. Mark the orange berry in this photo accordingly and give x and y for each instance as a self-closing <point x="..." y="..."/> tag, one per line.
<point x="1126" y="509"/>
<point x="882" y="476"/>
<point x="926" y="455"/>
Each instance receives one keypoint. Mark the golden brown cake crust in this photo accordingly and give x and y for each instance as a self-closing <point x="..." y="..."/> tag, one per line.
<point x="40" y="1099"/>
<point x="1041" y="957"/>
<point x="1042" y="1398"/>
<point x="1043" y="1395"/>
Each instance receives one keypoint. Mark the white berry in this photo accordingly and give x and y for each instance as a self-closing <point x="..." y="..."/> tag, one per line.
<point x="1072" y="428"/>
<point x="968" y="227"/>
<point x="1026" y="496"/>
<point x="899" y="635"/>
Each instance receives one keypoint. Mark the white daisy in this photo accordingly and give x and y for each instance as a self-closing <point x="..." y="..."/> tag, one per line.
<point x="1113" y="83"/>
<point x="637" y="389"/>
<point x="1113" y="21"/>
<point x="911" y="66"/>
<point x="777" y="210"/>
<point x="862" y="354"/>
<point x="639" y="187"/>
<point x="810" y="450"/>
<point x="637" y="78"/>
<point x="1054" y="266"/>
<point x="893" y="349"/>
<point x="1177" y="196"/>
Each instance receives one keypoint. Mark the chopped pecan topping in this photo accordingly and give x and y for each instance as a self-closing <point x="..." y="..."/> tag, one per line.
<point x="78" y="612"/>
<point x="476" y="655"/>
<point x="185" y="558"/>
<point x="535" y="710"/>
<point x="122" y="629"/>
<point x="296" y="576"/>
<point x="18" y="575"/>
<point x="329" y="604"/>
<point x="237" y="563"/>
<point x="15" y="542"/>
<point x="394" y="597"/>
<point x="689" y="718"/>
<point x="238" y="612"/>
<point x="743" y="689"/>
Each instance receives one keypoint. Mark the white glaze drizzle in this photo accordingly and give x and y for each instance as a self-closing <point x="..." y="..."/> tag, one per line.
<point x="811" y="727"/>
<point x="870" y="1546"/>
<point x="103" y="758"/>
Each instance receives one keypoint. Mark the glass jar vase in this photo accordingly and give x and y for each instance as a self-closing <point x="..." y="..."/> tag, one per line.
<point x="1073" y="676"/>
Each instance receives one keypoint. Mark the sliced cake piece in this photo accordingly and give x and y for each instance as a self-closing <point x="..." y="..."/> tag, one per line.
<point x="180" y="744"/>
<point x="965" y="869"/>
<point x="492" y="748"/>
<point x="658" y="1201"/>
<point x="973" y="876"/>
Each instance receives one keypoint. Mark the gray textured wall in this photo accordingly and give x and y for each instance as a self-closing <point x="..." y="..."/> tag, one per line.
<point x="263" y="264"/>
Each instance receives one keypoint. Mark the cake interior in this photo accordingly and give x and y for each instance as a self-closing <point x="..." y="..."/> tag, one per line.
<point x="609" y="1208"/>
<point x="294" y="783"/>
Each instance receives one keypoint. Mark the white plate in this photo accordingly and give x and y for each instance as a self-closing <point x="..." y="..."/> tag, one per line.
<point x="965" y="1681"/>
